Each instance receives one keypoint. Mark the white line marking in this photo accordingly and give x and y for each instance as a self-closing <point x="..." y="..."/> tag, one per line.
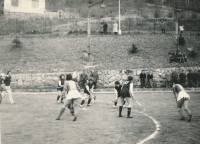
<point x="154" y="133"/>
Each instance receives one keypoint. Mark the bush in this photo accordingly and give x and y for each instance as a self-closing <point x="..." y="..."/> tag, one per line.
<point x="17" y="42"/>
<point x="133" y="48"/>
<point x="181" y="41"/>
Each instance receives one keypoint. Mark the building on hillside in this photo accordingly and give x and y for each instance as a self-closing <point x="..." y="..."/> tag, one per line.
<point x="24" y="6"/>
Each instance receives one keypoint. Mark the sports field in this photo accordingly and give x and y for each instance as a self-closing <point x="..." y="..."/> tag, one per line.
<point x="32" y="121"/>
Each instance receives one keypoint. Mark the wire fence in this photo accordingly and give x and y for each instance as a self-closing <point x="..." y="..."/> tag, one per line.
<point x="79" y="26"/>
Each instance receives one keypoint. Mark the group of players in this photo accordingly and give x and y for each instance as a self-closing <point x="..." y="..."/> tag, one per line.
<point x="70" y="91"/>
<point x="124" y="93"/>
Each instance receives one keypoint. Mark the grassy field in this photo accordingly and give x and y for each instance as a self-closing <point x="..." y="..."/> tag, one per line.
<point x="44" y="54"/>
<point x="32" y="120"/>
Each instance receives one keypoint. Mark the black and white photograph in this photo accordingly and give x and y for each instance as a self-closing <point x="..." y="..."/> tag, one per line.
<point x="99" y="71"/>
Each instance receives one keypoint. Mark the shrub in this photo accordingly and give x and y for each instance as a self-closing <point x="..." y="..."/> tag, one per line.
<point x="17" y="42"/>
<point x="133" y="48"/>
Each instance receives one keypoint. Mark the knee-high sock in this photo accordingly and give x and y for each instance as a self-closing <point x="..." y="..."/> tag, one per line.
<point x="89" y="101"/>
<point x="120" y="110"/>
<point x="58" y="97"/>
<point x="128" y="111"/>
<point x="83" y="101"/>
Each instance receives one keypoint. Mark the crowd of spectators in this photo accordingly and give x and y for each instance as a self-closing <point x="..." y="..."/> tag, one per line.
<point x="191" y="79"/>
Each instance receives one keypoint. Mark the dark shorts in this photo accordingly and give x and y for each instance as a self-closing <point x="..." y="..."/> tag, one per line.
<point x="60" y="89"/>
<point x="180" y="102"/>
<point x="124" y="93"/>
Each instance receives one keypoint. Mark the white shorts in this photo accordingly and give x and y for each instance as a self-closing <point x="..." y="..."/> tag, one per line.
<point x="182" y="94"/>
<point x="73" y="94"/>
<point x="60" y="93"/>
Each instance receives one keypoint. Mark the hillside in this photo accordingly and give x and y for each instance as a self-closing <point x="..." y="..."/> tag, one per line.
<point x="44" y="54"/>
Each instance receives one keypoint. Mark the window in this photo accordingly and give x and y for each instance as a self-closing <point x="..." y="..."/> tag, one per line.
<point x="14" y="2"/>
<point x="35" y="3"/>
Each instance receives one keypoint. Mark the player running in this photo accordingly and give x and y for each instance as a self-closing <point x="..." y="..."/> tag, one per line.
<point x="60" y="88"/>
<point x="118" y="88"/>
<point x="126" y="93"/>
<point x="71" y="89"/>
<point x="88" y="92"/>
<point x="182" y="99"/>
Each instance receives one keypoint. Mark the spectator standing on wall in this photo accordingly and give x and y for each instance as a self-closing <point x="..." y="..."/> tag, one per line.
<point x="105" y="26"/>
<point x="142" y="79"/>
<point x="115" y="28"/>
<point x="163" y="26"/>
<point x="190" y="78"/>
<point x="182" y="78"/>
<point x="150" y="78"/>
<point x="83" y="79"/>
<point x="95" y="76"/>
<point x="175" y="77"/>
<point x="168" y="78"/>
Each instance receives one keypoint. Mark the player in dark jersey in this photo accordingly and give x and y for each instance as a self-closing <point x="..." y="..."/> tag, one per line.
<point x="182" y="99"/>
<point x="60" y="88"/>
<point x="118" y="88"/>
<point x="88" y="91"/>
<point x="126" y="93"/>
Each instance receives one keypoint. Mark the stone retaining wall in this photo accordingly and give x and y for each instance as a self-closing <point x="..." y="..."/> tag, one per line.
<point x="107" y="78"/>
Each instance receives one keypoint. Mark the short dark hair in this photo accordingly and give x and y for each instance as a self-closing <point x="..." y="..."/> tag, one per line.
<point x="8" y="72"/>
<point x="117" y="82"/>
<point x="68" y="77"/>
<point x="130" y="78"/>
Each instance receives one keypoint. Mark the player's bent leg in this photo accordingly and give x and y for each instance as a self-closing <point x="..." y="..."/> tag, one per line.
<point x="89" y="100"/>
<point x="128" y="99"/>
<point x="58" y="97"/>
<point x="179" y="106"/>
<point x="185" y="104"/>
<point x="75" y="106"/>
<point x="121" y="106"/>
<point x="66" y="104"/>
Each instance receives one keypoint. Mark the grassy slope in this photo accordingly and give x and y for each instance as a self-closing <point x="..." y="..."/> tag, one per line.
<point x="110" y="52"/>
